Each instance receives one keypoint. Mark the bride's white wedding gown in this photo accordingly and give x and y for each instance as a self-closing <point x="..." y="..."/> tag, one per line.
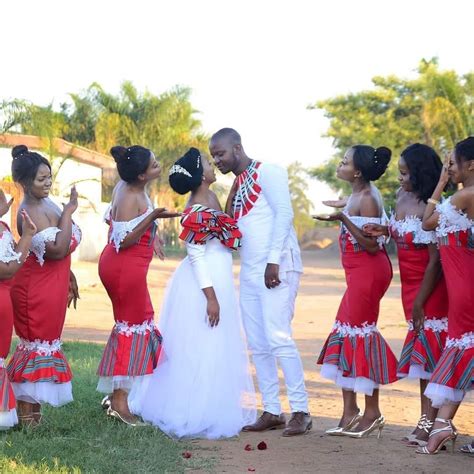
<point x="202" y="387"/>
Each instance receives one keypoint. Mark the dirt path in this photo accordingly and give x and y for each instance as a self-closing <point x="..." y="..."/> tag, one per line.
<point x="321" y="289"/>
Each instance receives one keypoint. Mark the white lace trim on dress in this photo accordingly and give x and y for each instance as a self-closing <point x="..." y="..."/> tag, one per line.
<point x="39" y="241"/>
<point x="345" y="329"/>
<point x="122" y="327"/>
<point x="435" y="325"/>
<point x="466" y="341"/>
<point x="76" y="233"/>
<point x="120" y="229"/>
<point x="451" y="219"/>
<point x="360" y="221"/>
<point x="45" y="348"/>
<point x="413" y="224"/>
<point x="7" y="248"/>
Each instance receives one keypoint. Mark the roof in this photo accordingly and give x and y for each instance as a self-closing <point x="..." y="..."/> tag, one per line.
<point x="62" y="147"/>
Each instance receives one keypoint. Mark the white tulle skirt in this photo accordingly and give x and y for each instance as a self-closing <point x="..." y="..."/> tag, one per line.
<point x="202" y="387"/>
<point x="55" y="394"/>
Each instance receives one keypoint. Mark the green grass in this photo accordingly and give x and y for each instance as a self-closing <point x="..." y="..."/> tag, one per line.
<point x="80" y="438"/>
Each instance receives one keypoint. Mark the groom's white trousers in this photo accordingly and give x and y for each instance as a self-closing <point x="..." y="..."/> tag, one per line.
<point x="267" y="316"/>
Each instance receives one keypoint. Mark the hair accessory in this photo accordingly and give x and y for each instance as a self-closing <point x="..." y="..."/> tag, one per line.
<point x="198" y="161"/>
<point x="376" y="160"/>
<point x="179" y="169"/>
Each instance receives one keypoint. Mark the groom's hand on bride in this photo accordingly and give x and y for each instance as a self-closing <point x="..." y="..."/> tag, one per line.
<point x="272" y="277"/>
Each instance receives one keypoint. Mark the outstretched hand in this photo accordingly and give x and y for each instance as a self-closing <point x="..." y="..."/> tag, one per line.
<point x="337" y="216"/>
<point x="337" y="203"/>
<point x="163" y="213"/>
<point x="4" y="204"/>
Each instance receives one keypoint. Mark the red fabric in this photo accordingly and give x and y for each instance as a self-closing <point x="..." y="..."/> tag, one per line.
<point x="458" y="267"/>
<point x="123" y="275"/>
<point x="6" y="318"/>
<point x="130" y="355"/>
<point x="6" y="313"/>
<point x="39" y="295"/>
<point x="412" y="265"/>
<point x="30" y="366"/>
<point x="7" y="397"/>
<point x="201" y="224"/>
<point x="368" y="277"/>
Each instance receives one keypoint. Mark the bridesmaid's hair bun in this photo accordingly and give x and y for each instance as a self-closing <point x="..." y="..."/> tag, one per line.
<point x="25" y="165"/>
<point x="19" y="150"/>
<point x="371" y="162"/>
<point x="131" y="162"/>
<point x="119" y="153"/>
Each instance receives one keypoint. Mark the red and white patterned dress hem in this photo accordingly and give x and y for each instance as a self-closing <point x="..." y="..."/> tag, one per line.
<point x="8" y="415"/>
<point x="134" y="345"/>
<point x="453" y="376"/>
<point x="355" y="355"/>
<point x="38" y="368"/>
<point x="421" y="351"/>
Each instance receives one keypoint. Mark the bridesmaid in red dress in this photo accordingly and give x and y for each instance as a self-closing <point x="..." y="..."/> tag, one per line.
<point x="134" y="345"/>
<point x="424" y="295"/>
<point x="453" y="220"/>
<point x="356" y="356"/>
<point x="41" y="291"/>
<point x="11" y="259"/>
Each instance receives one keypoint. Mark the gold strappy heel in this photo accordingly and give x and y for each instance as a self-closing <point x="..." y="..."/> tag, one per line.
<point x="379" y="423"/>
<point x="337" y="431"/>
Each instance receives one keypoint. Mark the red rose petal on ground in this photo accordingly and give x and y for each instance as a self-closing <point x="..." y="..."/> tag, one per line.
<point x="186" y="454"/>
<point x="248" y="447"/>
<point x="262" y="446"/>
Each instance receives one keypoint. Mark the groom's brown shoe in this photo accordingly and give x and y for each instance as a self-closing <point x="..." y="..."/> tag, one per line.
<point x="299" y="424"/>
<point x="267" y="422"/>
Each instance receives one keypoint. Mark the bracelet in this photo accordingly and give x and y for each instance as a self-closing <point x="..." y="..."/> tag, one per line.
<point x="433" y="201"/>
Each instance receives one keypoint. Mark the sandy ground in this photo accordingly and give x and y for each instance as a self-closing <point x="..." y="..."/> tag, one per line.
<point x="321" y="288"/>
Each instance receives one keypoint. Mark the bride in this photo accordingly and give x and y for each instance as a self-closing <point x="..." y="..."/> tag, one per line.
<point x="202" y="387"/>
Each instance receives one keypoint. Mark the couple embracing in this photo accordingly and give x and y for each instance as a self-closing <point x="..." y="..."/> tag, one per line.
<point x="202" y="386"/>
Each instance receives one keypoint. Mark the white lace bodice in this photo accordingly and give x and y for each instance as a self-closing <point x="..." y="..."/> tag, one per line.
<point x="360" y="221"/>
<point x="7" y="248"/>
<point x="120" y="229"/>
<point x="40" y="239"/>
<point x="451" y="219"/>
<point x="412" y="224"/>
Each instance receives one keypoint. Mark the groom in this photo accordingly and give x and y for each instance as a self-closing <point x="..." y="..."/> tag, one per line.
<point x="269" y="278"/>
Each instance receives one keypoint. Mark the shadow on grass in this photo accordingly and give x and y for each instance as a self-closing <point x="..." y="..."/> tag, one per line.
<point x="80" y="438"/>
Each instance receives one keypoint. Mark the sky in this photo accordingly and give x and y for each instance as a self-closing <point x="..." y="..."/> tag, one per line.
<point x="252" y="65"/>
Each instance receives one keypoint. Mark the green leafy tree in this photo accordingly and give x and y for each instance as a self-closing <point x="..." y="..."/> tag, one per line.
<point x="435" y="108"/>
<point x="301" y="203"/>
